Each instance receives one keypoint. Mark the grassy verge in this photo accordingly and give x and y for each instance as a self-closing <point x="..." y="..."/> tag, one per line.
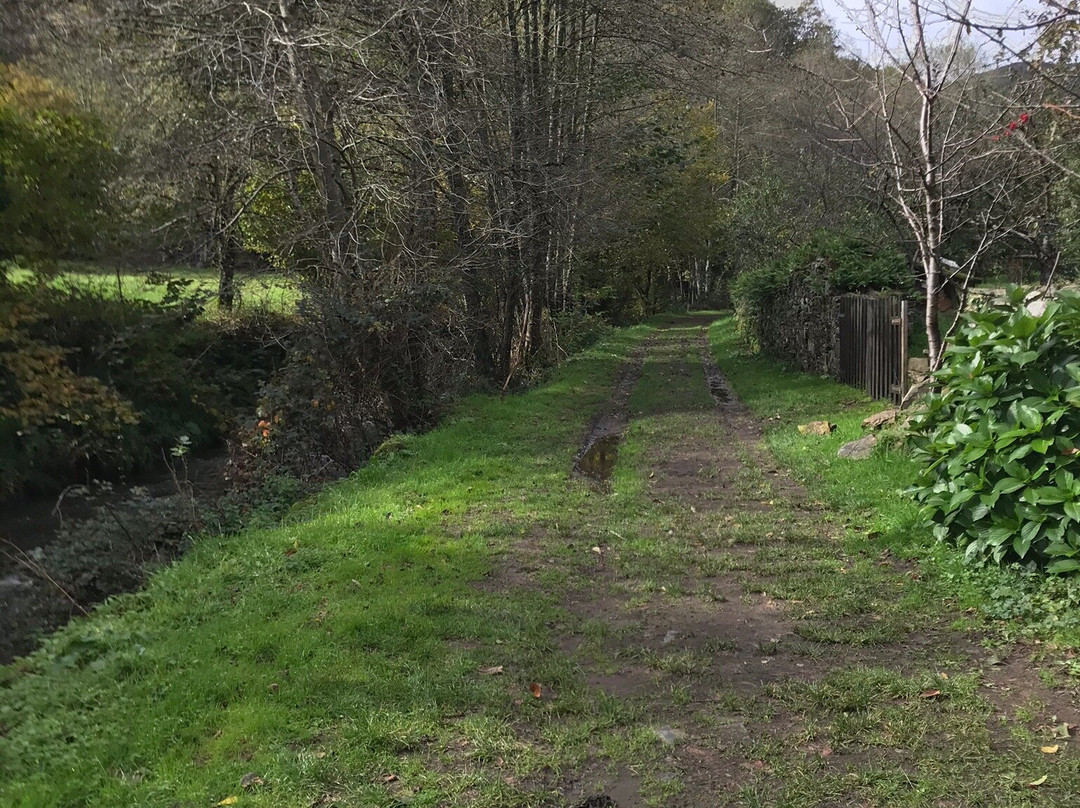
<point x="340" y="658"/>
<point x="870" y="494"/>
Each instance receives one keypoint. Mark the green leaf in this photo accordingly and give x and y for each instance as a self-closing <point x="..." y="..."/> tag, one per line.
<point x="1007" y="485"/>
<point x="1025" y="357"/>
<point x="1063" y="566"/>
<point x="1029" y="531"/>
<point x="1020" y="452"/>
<point x="1047" y="495"/>
<point x="1030" y="417"/>
<point x="961" y="498"/>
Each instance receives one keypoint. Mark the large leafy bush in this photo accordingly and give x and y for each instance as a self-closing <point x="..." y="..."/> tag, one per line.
<point x="56" y="161"/>
<point x="1002" y="439"/>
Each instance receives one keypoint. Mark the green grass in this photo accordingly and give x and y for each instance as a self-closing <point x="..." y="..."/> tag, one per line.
<point x="878" y="515"/>
<point x="264" y="290"/>
<point x="331" y="653"/>
<point x="879" y="739"/>
<point x="340" y="657"/>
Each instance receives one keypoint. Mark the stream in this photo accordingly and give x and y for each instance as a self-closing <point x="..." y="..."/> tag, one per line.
<point x="94" y="541"/>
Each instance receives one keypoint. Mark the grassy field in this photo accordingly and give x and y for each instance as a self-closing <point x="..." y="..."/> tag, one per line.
<point x="266" y="290"/>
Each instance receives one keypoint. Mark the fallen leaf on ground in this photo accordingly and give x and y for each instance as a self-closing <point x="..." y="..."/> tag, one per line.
<point x="389" y="778"/>
<point x="496" y="670"/>
<point x="1062" y="731"/>
<point x="250" y="780"/>
<point x="929" y="694"/>
<point x="228" y="801"/>
<point x="536" y="690"/>
<point x="1037" y="783"/>
<point x="1050" y="750"/>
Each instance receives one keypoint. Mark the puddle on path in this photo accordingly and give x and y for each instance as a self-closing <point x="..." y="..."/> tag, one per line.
<point x="600" y="449"/>
<point x="599" y="458"/>
<point x="715" y="380"/>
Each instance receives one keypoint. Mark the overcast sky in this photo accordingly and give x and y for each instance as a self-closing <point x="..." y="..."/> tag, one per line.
<point x="849" y="16"/>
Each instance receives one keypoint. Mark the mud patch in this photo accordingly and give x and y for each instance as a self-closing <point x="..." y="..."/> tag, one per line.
<point x="718" y="387"/>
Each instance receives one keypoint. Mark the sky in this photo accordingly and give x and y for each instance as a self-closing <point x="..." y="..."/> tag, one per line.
<point x="849" y="18"/>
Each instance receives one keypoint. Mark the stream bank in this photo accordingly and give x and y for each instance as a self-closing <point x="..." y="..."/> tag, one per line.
<point x="61" y="555"/>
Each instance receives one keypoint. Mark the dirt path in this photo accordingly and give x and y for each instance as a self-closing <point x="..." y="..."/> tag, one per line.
<point x="772" y="666"/>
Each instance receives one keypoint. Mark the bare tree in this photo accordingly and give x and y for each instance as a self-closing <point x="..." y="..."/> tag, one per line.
<point x="405" y="143"/>
<point x="925" y="117"/>
<point x="1040" y="49"/>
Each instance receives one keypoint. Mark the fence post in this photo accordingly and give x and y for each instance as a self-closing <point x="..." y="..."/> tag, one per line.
<point x="904" y="326"/>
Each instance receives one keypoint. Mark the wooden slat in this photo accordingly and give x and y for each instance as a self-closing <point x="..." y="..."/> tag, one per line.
<point x="873" y="344"/>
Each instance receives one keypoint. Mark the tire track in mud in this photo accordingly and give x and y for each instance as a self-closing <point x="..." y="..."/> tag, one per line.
<point x="599" y="452"/>
<point x="744" y="640"/>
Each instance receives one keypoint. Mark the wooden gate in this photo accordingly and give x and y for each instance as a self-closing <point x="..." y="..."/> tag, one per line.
<point x="874" y="344"/>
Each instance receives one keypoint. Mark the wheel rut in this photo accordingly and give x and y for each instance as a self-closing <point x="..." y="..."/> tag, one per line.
<point x="599" y="452"/>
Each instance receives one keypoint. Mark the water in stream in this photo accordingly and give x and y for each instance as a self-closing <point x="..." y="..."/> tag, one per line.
<point x="94" y="541"/>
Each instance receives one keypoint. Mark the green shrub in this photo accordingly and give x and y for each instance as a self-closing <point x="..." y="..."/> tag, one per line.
<point x="56" y="161"/>
<point x="830" y="261"/>
<point x="1002" y="438"/>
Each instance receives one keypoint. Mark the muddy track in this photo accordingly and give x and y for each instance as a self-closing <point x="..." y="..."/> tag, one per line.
<point x="700" y="617"/>
<point x="714" y="379"/>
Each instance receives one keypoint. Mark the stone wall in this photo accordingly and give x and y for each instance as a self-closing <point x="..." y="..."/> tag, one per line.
<point x="800" y="325"/>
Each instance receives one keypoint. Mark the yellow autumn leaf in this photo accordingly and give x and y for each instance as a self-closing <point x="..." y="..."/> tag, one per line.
<point x="1037" y="783"/>
<point x="1050" y="750"/>
<point x="232" y="800"/>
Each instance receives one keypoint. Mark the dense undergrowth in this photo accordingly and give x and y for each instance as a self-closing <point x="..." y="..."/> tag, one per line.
<point x="92" y="384"/>
<point x="1018" y="601"/>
